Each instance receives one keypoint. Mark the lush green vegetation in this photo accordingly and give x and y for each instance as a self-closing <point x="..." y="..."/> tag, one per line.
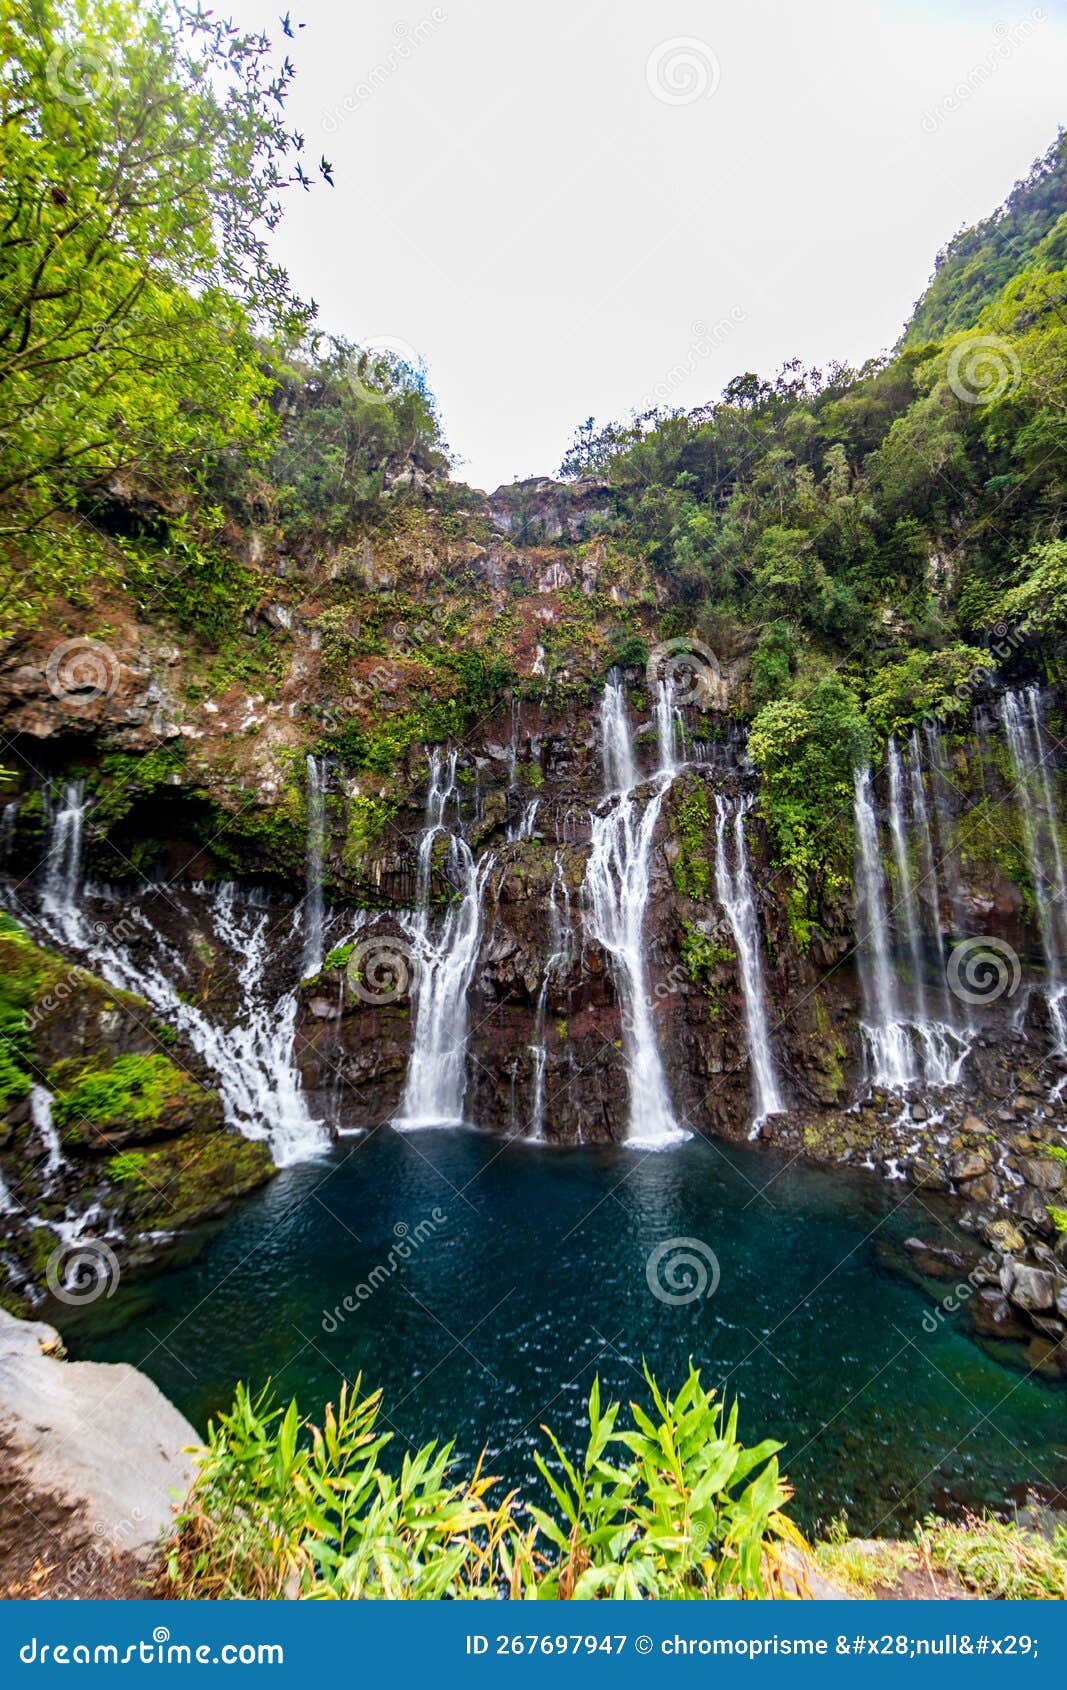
<point x="873" y="541"/>
<point x="669" y="1505"/>
<point x="160" y="382"/>
<point x="125" y="1097"/>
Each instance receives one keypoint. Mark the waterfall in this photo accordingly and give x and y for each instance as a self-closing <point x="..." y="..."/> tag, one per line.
<point x="8" y="1206"/>
<point x="1021" y="717"/>
<point x="616" y="892"/>
<point x="62" y="868"/>
<point x="905" y="1044"/>
<point x="251" y="1057"/>
<point x="669" y="726"/>
<point x="887" y="1038"/>
<point x="444" y="953"/>
<point x="8" y="822"/>
<point x="561" y="939"/>
<point x="41" y="1116"/>
<point x="906" y="912"/>
<point x="929" y="890"/>
<point x="316" y="851"/>
<point x="735" y="895"/>
<point x="942" y="787"/>
<point x="523" y="825"/>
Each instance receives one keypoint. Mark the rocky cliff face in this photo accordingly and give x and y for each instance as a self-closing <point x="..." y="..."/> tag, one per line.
<point x="194" y="769"/>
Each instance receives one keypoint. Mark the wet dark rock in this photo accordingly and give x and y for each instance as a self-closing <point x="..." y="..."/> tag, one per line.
<point x="936" y="1261"/>
<point x="1028" y="1288"/>
<point x="993" y="1317"/>
<point x="969" y="1164"/>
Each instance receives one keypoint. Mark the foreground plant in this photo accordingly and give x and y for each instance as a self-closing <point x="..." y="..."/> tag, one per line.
<point x="282" y="1507"/>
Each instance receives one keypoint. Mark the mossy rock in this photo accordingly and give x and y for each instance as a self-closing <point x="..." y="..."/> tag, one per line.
<point x="178" y="1184"/>
<point x="104" y="1105"/>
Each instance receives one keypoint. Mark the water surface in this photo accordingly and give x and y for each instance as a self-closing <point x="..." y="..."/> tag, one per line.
<point x="527" y="1273"/>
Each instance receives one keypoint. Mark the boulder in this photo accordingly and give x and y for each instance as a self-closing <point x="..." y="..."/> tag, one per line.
<point x="1028" y="1287"/>
<point x="100" y="1439"/>
<point x="969" y="1164"/>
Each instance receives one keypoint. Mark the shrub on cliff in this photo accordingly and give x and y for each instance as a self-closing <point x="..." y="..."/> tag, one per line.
<point x="807" y="751"/>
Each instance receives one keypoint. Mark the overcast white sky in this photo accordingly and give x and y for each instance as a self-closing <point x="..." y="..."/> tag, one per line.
<point x="579" y="206"/>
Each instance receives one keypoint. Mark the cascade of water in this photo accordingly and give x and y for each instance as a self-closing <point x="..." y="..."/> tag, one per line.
<point x="561" y="940"/>
<point x="616" y="891"/>
<point x="62" y="869"/>
<point x="904" y="1045"/>
<point x="947" y="851"/>
<point x="906" y="911"/>
<point x="1021" y="717"/>
<point x="734" y="888"/>
<point x="41" y="1116"/>
<point x="444" y="954"/>
<point x="251" y="1060"/>
<point x="523" y="825"/>
<point x="8" y="822"/>
<point x="887" y="1038"/>
<point x="668" y="726"/>
<point x="316" y="851"/>
<point x="8" y="1206"/>
<point x="929" y="890"/>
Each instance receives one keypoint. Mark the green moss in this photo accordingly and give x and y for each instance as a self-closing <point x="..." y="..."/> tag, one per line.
<point x="182" y="1182"/>
<point x="127" y="1097"/>
<point x="702" y="959"/>
<point x="368" y="820"/>
<point x="123" y="779"/>
<point x="691" y="816"/>
<point x="127" y="1167"/>
<point x="339" y="957"/>
<point x="1058" y="1217"/>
